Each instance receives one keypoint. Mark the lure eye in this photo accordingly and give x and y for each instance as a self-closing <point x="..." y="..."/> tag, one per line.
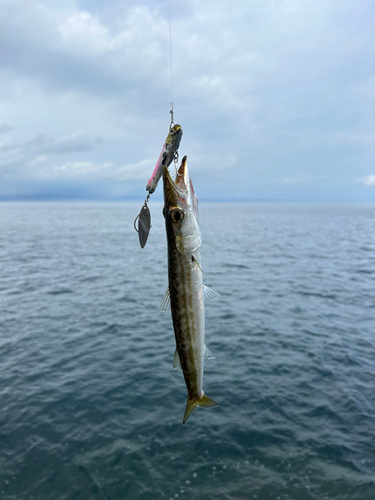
<point x="177" y="215"/>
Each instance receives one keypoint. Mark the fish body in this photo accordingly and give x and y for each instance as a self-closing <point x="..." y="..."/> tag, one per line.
<point x="186" y="289"/>
<point x="170" y="147"/>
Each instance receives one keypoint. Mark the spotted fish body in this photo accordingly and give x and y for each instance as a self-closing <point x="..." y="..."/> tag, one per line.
<point x="186" y="289"/>
<point x="170" y="147"/>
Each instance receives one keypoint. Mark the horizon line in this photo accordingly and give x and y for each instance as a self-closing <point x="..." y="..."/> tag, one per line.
<point x="160" y="200"/>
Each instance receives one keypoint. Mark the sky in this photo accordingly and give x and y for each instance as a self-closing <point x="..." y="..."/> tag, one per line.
<point x="276" y="98"/>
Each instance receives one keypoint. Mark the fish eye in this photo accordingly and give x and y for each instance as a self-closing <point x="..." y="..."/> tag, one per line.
<point x="177" y="215"/>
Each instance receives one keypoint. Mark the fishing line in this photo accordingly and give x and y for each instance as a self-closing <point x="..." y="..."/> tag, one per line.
<point x="175" y="159"/>
<point x="170" y="62"/>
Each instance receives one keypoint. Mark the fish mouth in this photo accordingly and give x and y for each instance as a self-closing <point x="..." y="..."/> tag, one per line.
<point x="177" y="192"/>
<point x="170" y="189"/>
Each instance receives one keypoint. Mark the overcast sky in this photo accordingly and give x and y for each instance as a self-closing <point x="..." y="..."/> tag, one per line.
<point x="276" y="98"/>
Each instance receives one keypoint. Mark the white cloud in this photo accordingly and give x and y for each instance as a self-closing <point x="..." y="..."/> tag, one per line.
<point x="210" y="166"/>
<point x="299" y="178"/>
<point x="82" y="27"/>
<point x="88" y="171"/>
<point x="38" y="160"/>
<point x="369" y="180"/>
<point x="348" y="137"/>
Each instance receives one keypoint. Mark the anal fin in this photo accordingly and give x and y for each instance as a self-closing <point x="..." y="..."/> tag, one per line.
<point x="176" y="360"/>
<point x="208" y="354"/>
<point x="165" y="304"/>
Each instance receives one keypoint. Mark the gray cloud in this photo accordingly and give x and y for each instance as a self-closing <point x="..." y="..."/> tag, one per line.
<point x="43" y="144"/>
<point x="271" y="95"/>
<point x="4" y="128"/>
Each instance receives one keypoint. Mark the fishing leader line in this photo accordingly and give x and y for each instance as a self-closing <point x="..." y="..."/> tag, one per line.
<point x="170" y="59"/>
<point x="175" y="158"/>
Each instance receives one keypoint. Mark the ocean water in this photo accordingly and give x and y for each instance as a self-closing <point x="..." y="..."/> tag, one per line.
<point x="90" y="407"/>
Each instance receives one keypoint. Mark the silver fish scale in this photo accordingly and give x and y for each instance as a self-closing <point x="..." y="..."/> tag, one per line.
<point x="187" y="306"/>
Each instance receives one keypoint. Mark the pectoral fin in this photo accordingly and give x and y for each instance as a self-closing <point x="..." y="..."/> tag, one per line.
<point x="210" y="293"/>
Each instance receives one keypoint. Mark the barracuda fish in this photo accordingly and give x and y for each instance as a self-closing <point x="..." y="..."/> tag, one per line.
<point x="186" y="291"/>
<point x="170" y="147"/>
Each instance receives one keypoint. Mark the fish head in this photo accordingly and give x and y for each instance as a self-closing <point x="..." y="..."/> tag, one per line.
<point x="181" y="210"/>
<point x="174" y="138"/>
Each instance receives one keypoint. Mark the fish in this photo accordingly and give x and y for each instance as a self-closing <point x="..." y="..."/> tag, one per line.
<point x="170" y="147"/>
<point x="186" y="291"/>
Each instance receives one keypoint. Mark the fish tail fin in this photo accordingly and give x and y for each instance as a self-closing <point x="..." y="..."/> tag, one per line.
<point x="203" y="401"/>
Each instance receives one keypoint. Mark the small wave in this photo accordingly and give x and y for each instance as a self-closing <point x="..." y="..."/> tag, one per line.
<point x="237" y="266"/>
<point x="227" y="316"/>
<point x="113" y="328"/>
<point x="316" y="294"/>
<point x="126" y="298"/>
<point x="365" y="271"/>
<point x="89" y="279"/>
<point x="60" y="291"/>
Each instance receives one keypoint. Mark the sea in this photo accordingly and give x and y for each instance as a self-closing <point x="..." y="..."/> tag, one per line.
<point x="90" y="406"/>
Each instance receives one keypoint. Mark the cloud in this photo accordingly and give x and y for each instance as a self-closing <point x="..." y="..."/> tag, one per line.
<point x="4" y="128"/>
<point x="73" y="143"/>
<point x="348" y="137"/>
<point x="63" y="48"/>
<point x="369" y="180"/>
<point x="43" y="144"/>
<point x="301" y="177"/>
<point x="87" y="171"/>
<point x="7" y="146"/>
<point x="32" y="159"/>
<point x="261" y="91"/>
<point x="37" y="161"/>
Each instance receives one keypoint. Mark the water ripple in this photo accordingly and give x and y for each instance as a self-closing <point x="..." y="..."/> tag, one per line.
<point x="90" y="405"/>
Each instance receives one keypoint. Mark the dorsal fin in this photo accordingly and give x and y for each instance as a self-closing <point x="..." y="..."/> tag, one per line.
<point x="194" y="201"/>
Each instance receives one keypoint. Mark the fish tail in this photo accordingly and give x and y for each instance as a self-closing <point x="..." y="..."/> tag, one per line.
<point x="203" y="401"/>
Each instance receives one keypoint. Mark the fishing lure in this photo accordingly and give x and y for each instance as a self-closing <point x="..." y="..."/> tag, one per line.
<point x="168" y="153"/>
